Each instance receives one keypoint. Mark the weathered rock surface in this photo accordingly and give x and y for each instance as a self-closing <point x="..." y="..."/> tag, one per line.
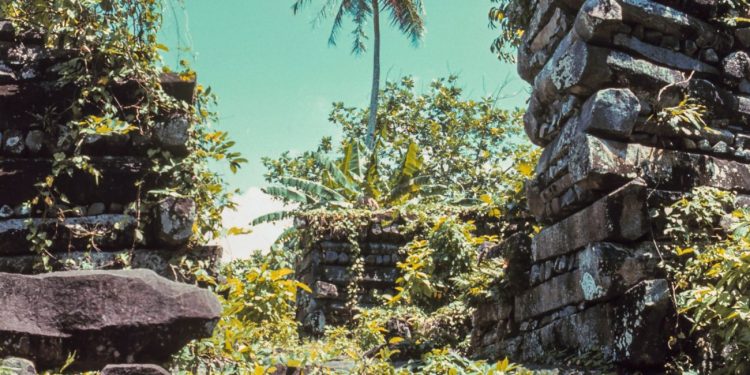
<point x="104" y="316"/>
<point x="636" y="102"/>
<point x="17" y="366"/>
<point x="134" y="369"/>
<point x="621" y="216"/>
<point x="174" y="221"/>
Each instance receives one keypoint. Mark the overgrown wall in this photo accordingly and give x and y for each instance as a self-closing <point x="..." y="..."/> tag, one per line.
<point x="85" y="221"/>
<point x="612" y="80"/>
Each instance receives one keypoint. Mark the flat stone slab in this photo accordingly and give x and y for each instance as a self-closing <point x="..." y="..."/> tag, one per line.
<point x="105" y="317"/>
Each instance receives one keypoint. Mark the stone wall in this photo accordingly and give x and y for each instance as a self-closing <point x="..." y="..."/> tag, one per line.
<point x="326" y="266"/>
<point x="332" y="243"/>
<point x="100" y="314"/>
<point x="605" y="74"/>
<point x="95" y="225"/>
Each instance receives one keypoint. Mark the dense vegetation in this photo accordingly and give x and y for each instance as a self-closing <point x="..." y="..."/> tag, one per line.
<point x="434" y="156"/>
<point x="114" y="44"/>
<point x="438" y="156"/>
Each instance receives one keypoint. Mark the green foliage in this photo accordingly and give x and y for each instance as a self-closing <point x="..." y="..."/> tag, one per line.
<point x="467" y="148"/>
<point x="113" y="44"/>
<point x="734" y="12"/>
<point x="711" y="275"/>
<point x="406" y="15"/>
<point x="259" y="301"/>
<point x="257" y="333"/>
<point x="512" y="17"/>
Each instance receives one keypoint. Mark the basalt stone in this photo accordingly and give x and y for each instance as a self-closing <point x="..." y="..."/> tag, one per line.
<point x="34" y="141"/>
<point x="516" y="250"/>
<point x="611" y="113"/>
<point x="585" y="332"/>
<point x="117" y="182"/>
<point x="598" y="167"/>
<point x="663" y="56"/>
<point x="13" y="142"/>
<point x="179" y="87"/>
<point x="620" y="216"/>
<point x="490" y="314"/>
<point x="174" y="221"/>
<point x="134" y="369"/>
<point x="97" y="208"/>
<point x="373" y="276"/>
<point x="163" y="262"/>
<point x="17" y="366"/>
<point x="599" y="20"/>
<point x="103" y="231"/>
<point x="609" y="269"/>
<point x="582" y="69"/>
<point x="326" y="290"/>
<point x="555" y="293"/>
<point x="743" y="36"/>
<point x="736" y="66"/>
<point x="540" y="44"/>
<point x="136" y="317"/>
<point x="173" y="134"/>
<point x="644" y="307"/>
<point x="7" y="31"/>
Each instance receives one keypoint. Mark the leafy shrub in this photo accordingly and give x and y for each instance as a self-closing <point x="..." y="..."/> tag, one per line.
<point x="711" y="277"/>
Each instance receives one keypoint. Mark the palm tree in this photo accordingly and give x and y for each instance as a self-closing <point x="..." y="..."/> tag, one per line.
<point x="406" y="15"/>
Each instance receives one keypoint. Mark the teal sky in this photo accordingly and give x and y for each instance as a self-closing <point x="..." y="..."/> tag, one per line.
<point x="276" y="76"/>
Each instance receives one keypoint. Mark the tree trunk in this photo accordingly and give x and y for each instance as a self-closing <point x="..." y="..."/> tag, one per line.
<point x="372" y="122"/>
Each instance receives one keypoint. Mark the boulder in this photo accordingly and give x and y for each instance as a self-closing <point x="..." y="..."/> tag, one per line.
<point x="16" y="366"/>
<point x="134" y="369"/>
<point x="105" y="317"/>
<point x="173" y="134"/>
<point x="174" y="221"/>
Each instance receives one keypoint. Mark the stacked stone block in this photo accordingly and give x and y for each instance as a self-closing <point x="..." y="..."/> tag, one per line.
<point x="605" y="76"/>
<point x="99" y="220"/>
<point x="92" y="311"/>
<point x="326" y="266"/>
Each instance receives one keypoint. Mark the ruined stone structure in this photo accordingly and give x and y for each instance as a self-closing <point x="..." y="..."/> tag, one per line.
<point x="131" y="316"/>
<point x="604" y="75"/>
<point x="326" y="266"/>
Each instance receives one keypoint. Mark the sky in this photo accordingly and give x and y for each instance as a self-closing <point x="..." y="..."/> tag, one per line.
<point x="276" y="76"/>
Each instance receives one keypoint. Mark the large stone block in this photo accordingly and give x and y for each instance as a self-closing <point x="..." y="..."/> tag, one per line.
<point x="579" y="68"/>
<point x="643" y="325"/>
<point x="174" y="218"/>
<point x="165" y="263"/>
<point x="117" y="183"/>
<point x="611" y="113"/>
<point x="588" y="331"/>
<point x="606" y="270"/>
<point x="663" y="56"/>
<point x="599" y="166"/>
<point x="599" y="20"/>
<point x="103" y="316"/>
<point x="547" y="28"/>
<point x="106" y="232"/>
<point x="134" y="369"/>
<point x="620" y="216"/>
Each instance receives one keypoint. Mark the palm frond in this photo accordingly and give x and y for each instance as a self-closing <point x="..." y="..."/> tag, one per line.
<point x="313" y="189"/>
<point x="272" y="217"/>
<point x="406" y="15"/>
<point x="288" y="194"/>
